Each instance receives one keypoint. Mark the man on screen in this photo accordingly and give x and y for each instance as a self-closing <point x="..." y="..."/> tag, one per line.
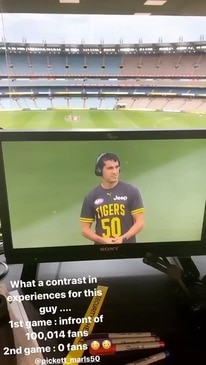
<point x="115" y="206"/>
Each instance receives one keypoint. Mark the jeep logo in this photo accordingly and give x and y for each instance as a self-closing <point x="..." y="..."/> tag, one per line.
<point x="117" y="197"/>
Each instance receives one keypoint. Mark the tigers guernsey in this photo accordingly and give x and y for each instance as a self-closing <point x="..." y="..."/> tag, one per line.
<point x="114" y="206"/>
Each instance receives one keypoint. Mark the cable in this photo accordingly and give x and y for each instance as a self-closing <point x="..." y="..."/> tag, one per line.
<point x="3" y="269"/>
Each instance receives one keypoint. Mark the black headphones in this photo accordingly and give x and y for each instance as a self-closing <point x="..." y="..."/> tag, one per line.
<point x="100" y="161"/>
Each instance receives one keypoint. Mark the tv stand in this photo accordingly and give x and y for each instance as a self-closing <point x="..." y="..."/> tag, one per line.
<point x="29" y="272"/>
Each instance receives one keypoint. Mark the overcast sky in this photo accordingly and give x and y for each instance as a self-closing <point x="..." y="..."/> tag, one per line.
<point x="94" y="28"/>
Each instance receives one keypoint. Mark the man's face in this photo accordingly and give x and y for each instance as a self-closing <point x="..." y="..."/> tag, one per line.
<point x="110" y="172"/>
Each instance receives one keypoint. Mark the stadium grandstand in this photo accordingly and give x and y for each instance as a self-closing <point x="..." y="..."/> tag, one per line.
<point x="157" y="76"/>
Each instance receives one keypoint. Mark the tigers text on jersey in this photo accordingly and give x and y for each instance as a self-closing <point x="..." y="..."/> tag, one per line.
<point x="112" y="209"/>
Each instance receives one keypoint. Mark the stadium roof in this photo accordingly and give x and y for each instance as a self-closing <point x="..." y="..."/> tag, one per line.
<point x="140" y="48"/>
<point x="153" y="7"/>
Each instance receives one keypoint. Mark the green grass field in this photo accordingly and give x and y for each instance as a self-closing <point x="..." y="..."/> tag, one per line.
<point x="47" y="182"/>
<point x="124" y="119"/>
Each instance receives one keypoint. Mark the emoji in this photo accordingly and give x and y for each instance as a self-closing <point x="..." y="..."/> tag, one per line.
<point x="106" y="344"/>
<point x="95" y="345"/>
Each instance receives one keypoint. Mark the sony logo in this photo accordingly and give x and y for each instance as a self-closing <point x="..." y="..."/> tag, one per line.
<point x="109" y="248"/>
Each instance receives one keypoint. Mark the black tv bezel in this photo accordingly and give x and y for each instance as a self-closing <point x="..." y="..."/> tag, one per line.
<point x="92" y="252"/>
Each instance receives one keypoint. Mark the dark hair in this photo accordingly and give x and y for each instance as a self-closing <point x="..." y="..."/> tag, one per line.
<point x="101" y="159"/>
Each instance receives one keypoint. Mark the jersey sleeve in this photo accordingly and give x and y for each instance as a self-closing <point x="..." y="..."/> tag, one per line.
<point x="87" y="214"/>
<point x="136" y="205"/>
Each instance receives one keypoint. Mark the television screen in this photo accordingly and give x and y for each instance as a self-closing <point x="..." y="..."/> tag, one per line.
<point x="46" y="176"/>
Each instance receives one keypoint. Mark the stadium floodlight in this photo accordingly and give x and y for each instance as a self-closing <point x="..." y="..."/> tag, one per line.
<point x="181" y="48"/>
<point x="155" y="2"/>
<point x="69" y="1"/>
<point x="127" y="49"/>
